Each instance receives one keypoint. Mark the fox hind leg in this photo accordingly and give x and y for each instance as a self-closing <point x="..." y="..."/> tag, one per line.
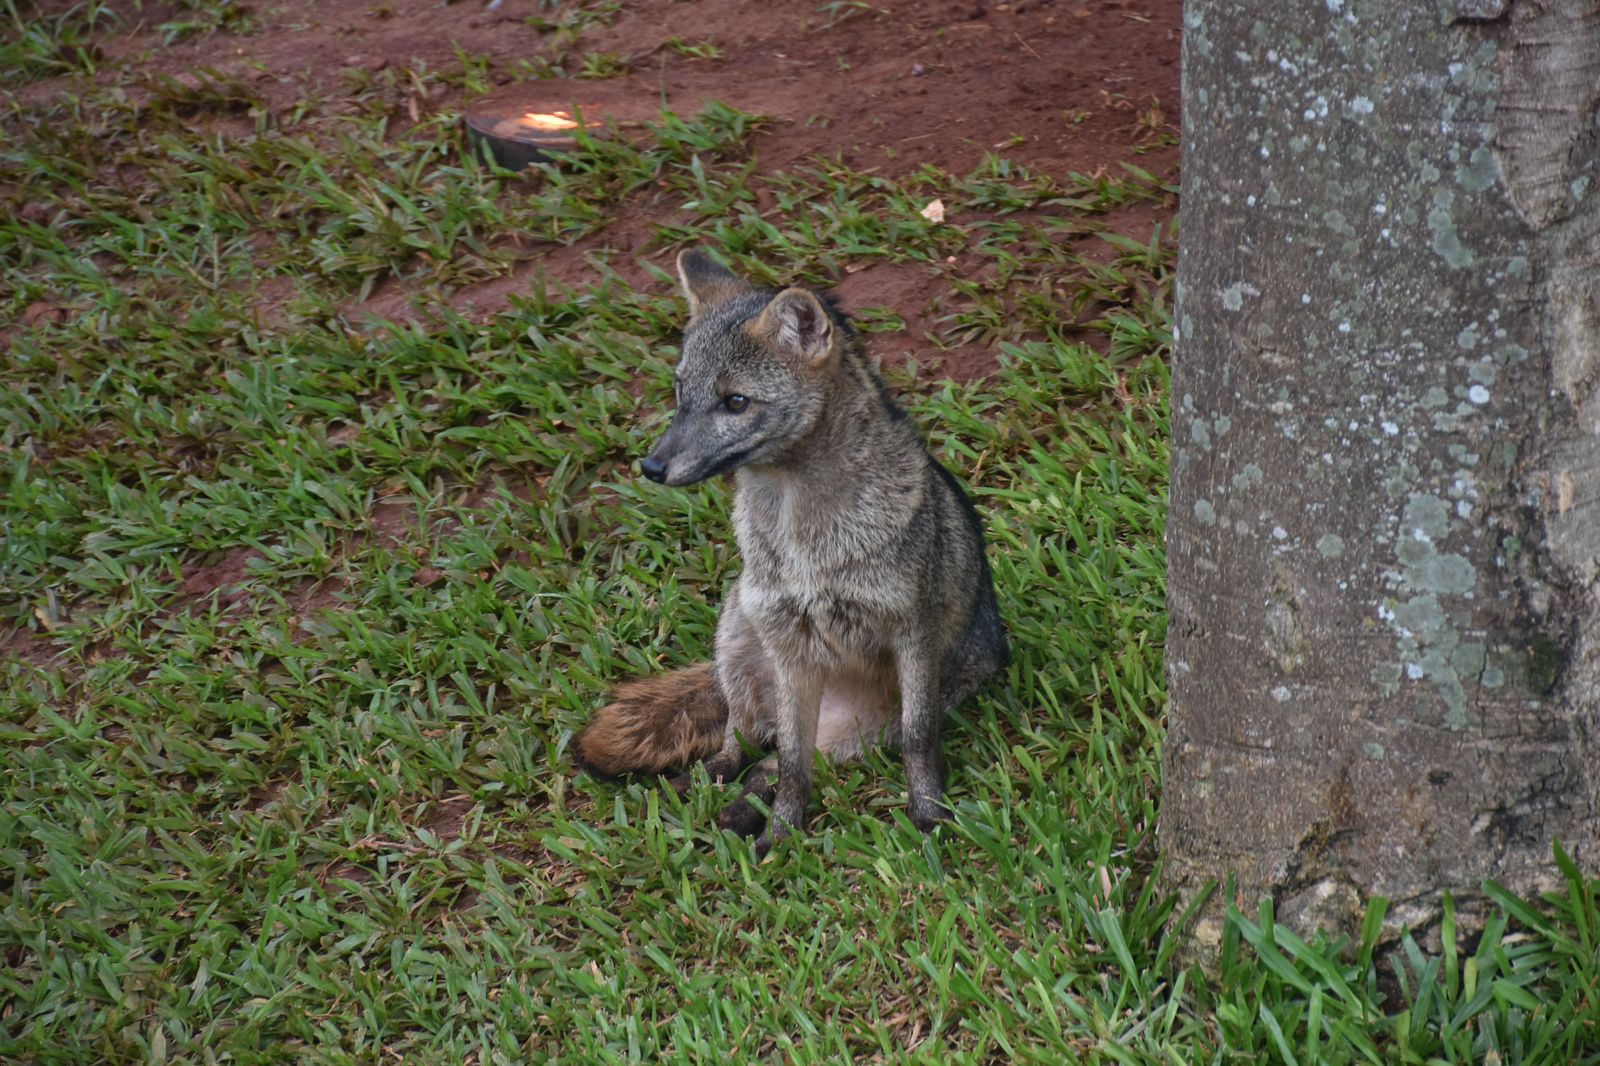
<point x="743" y="816"/>
<point x="922" y="713"/>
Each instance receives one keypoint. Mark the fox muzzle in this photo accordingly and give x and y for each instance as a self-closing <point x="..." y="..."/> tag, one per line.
<point x="658" y="465"/>
<point x="685" y="455"/>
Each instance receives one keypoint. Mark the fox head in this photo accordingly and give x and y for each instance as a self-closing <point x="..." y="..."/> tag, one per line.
<point x="752" y="379"/>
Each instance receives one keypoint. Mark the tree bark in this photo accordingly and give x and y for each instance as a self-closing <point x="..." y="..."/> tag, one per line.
<point x="1384" y="536"/>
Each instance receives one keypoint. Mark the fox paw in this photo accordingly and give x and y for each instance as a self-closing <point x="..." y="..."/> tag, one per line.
<point x="742" y="817"/>
<point x="927" y="815"/>
<point x="777" y="829"/>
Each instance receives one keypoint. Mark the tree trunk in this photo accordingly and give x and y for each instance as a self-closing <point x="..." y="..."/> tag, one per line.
<point x="1384" y="534"/>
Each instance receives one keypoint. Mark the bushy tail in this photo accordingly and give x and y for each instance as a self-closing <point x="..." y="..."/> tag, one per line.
<point x="655" y="724"/>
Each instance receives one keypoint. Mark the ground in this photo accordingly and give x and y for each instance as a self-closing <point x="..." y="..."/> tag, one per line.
<point x="1070" y="88"/>
<point x="321" y="536"/>
<point x="1056" y="87"/>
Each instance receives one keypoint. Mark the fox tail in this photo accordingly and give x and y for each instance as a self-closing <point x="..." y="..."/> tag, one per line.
<point x="655" y="724"/>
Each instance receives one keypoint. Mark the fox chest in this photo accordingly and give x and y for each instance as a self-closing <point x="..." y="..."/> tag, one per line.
<point x="821" y="613"/>
<point x="814" y="625"/>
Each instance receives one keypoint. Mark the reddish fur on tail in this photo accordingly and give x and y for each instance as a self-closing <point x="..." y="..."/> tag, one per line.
<point x="655" y="724"/>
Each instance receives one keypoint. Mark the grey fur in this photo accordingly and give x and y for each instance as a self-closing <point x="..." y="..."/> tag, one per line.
<point x="864" y="567"/>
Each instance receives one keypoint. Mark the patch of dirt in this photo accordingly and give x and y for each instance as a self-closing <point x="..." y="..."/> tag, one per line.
<point x="272" y="299"/>
<point x="1054" y="85"/>
<point x="1057" y="83"/>
<point x="911" y="290"/>
<point x="271" y="792"/>
<point x="310" y="598"/>
<point x="446" y="817"/>
<point x="26" y="646"/>
<point x="897" y="86"/>
<point x="42" y="311"/>
<point x="226" y="575"/>
<point x="394" y="518"/>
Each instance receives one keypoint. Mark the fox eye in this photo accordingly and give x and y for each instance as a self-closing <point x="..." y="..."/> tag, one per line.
<point x="735" y="402"/>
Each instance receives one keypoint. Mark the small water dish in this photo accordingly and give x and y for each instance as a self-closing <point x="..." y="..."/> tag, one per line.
<point x="519" y="139"/>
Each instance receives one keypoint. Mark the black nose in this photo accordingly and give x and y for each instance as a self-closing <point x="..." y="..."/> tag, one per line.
<point x="653" y="468"/>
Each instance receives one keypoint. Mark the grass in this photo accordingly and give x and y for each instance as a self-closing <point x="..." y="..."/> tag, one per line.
<point x="313" y="606"/>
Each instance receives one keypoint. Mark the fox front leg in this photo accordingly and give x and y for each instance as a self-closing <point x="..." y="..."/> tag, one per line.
<point x="799" y="699"/>
<point x="921" y="720"/>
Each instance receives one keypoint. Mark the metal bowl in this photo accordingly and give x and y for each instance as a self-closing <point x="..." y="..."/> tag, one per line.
<point x="521" y="138"/>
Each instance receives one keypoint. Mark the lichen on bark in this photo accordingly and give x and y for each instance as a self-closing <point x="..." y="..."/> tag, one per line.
<point x="1383" y="654"/>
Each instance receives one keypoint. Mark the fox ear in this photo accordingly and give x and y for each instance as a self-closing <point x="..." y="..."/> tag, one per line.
<point x="706" y="282"/>
<point x="799" y="326"/>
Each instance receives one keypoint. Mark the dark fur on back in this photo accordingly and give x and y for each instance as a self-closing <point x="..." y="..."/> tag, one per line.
<point x="988" y="631"/>
<point x="853" y="350"/>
